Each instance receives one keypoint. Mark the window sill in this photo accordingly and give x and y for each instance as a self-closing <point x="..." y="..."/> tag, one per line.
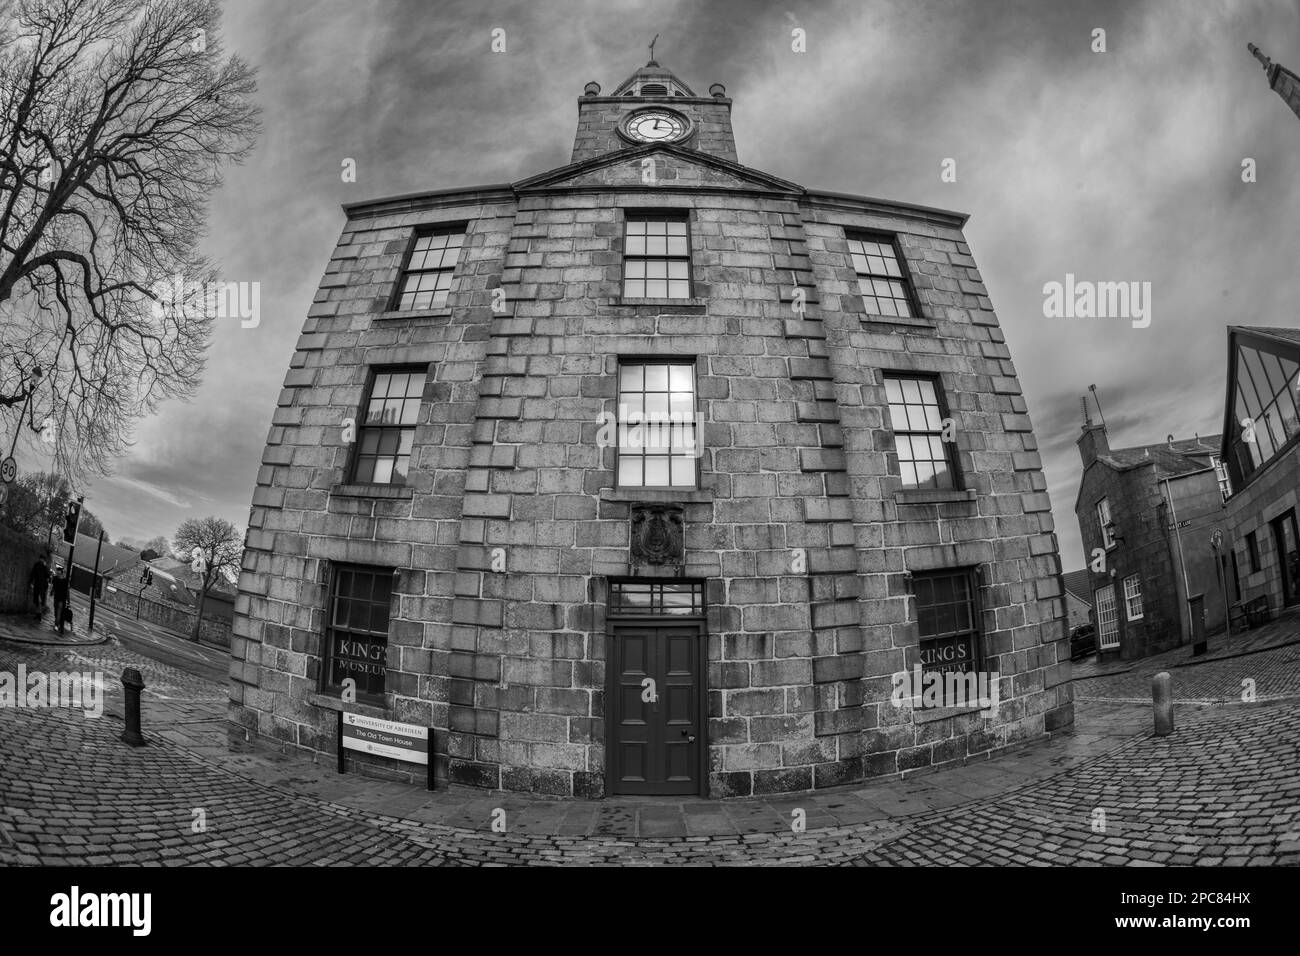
<point x="692" y="305"/>
<point x="926" y="715"/>
<point x="398" y="492"/>
<point x="919" y="496"/>
<point x="414" y="314"/>
<point x="657" y="495"/>
<point x="364" y="707"/>
<point x="915" y="323"/>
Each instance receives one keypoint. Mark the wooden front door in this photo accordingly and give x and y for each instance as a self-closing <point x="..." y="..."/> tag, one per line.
<point x="656" y="743"/>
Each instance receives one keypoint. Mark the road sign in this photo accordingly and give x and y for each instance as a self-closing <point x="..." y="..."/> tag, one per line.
<point x="8" y="470"/>
<point x="1181" y="524"/>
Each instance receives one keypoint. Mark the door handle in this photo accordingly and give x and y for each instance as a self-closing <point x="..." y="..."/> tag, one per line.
<point x="690" y="737"/>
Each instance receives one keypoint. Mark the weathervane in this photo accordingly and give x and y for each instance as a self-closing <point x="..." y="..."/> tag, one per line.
<point x="652" y="47"/>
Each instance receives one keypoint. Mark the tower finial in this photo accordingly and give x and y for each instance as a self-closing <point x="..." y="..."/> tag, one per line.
<point x="652" y="51"/>
<point x="1259" y="55"/>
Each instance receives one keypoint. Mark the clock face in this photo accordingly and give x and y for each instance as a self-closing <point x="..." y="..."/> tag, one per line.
<point x="656" y="126"/>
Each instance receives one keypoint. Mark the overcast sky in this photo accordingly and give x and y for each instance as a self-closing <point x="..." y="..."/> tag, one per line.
<point x="1115" y="166"/>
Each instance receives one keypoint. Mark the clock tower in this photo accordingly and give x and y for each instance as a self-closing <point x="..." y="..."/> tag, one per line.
<point x="653" y="106"/>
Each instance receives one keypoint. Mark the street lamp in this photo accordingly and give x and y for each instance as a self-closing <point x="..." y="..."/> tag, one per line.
<point x="35" y="379"/>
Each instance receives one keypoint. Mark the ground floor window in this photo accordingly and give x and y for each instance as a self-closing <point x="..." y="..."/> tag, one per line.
<point x="1107" y="618"/>
<point x="356" y="632"/>
<point x="947" y="614"/>
<point x="1133" y="597"/>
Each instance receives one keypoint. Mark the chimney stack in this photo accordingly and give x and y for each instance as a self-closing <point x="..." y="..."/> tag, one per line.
<point x="1092" y="442"/>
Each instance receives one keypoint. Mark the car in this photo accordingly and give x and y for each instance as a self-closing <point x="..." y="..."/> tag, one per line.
<point x="1083" y="641"/>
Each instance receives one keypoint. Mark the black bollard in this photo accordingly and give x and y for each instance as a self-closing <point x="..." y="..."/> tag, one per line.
<point x="132" y="684"/>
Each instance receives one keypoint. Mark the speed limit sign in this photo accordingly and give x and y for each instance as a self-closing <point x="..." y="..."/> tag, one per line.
<point x="8" y="470"/>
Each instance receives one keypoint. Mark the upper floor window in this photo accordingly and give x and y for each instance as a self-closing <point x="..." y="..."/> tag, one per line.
<point x="656" y="258"/>
<point x="426" y="280"/>
<point x="916" y="411"/>
<point x="357" y="629"/>
<point x="1107" y="526"/>
<point x="881" y="279"/>
<point x="1221" y="472"/>
<point x="658" y="444"/>
<point x="387" y="432"/>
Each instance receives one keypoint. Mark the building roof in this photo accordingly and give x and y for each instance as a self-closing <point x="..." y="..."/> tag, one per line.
<point x="1079" y="584"/>
<point x="1182" y="456"/>
<point x="112" y="559"/>
<point x="1286" y="335"/>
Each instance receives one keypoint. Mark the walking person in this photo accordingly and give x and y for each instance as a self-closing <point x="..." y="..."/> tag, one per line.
<point x="39" y="581"/>
<point x="60" y="594"/>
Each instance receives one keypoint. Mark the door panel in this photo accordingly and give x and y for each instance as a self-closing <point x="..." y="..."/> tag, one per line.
<point x="656" y="745"/>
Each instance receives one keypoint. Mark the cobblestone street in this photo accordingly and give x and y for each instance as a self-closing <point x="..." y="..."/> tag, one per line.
<point x="1224" y="789"/>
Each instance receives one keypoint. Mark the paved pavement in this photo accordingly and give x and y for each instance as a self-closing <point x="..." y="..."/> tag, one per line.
<point x="1223" y="789"/>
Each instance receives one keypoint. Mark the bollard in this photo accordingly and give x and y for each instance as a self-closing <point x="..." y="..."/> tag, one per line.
<point x="132" y="684"/>
<point x="1162" y="700"/>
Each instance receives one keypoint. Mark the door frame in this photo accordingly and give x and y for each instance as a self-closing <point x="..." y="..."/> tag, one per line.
<point x="1278" y="525"/>
<point x="697" y="623"/>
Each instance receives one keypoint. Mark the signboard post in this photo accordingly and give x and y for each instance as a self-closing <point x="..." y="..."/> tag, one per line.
<point x="386" y="738"/>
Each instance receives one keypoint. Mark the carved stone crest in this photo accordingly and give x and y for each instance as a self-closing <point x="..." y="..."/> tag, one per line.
<point x="657" y="535"/>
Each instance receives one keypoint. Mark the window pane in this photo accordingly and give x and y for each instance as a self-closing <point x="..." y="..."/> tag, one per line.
<point x="656" y="471"/>
<point x="383" y="471"/>
<point x="683" y="472"/>
<point x="631" y="377"/>
<point x="1257" y="375"/>
<point x="656" y="378"/>
<point x="1252" y="403"/>
<point x="629" y="471"/>
<point x="1273" y="369"/>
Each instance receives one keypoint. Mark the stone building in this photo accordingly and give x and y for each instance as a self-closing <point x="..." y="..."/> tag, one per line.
<point x="1147" y="516"/>
<point x="647" y="474"/>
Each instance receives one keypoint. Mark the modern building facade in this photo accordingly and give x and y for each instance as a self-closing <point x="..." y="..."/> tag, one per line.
<point x="648" y="474"/>
<point x="1261" y="445"/>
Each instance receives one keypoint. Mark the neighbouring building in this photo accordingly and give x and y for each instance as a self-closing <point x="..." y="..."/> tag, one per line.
<point x="1078" y="598"/>
<point x="1147" y="516"/>
<point x="1261" y="445"/>
<point x="646" y="474"/>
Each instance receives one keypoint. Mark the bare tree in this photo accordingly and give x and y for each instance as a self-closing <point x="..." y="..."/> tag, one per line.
<point x="215" y="548"/>
<point x="160" y="547"/>
<point x="116" y="119"/>
<point x="36" y="502"/>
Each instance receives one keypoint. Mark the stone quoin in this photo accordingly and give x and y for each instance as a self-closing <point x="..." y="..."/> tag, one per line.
<point x="847" y="486"/>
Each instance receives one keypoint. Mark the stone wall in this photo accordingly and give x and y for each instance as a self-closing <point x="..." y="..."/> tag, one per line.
<point x="1270" y="493"/>
<point x="17" y="555"/>
<point x="171" y="616"/>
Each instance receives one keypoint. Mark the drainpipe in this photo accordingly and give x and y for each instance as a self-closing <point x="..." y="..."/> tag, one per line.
<point x="1182" y="563"/>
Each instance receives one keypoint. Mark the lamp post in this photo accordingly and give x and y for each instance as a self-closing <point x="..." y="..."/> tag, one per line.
<point x="35" y="378"/>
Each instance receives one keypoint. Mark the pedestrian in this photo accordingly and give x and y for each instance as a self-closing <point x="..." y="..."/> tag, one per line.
<point x="60" y="594"/>
<point x="39" y="581"/>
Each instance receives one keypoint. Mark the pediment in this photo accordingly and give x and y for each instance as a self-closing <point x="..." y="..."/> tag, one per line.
<point x="657" y="165"/>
